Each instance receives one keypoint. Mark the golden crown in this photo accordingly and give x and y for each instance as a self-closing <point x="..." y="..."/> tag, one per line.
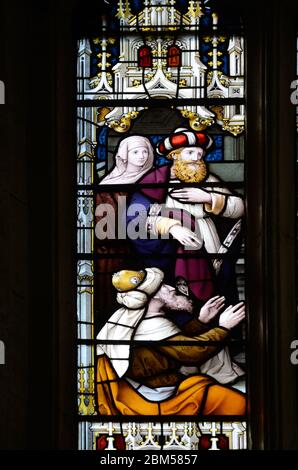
<point x="126" y="280"/>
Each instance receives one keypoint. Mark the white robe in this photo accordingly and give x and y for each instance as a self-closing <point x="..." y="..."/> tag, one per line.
<point x="234" y="209"/>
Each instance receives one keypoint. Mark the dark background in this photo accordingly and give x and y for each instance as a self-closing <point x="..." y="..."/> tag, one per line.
<point x="37" y="235"/>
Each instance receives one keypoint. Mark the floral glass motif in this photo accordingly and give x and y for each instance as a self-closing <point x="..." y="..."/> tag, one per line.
<point x="160" y="209"/>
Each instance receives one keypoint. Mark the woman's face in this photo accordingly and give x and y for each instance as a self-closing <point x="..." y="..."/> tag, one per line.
<point x="138" y="156"/>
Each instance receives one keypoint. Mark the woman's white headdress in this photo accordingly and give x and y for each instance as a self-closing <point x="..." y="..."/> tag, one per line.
<point x="119" y="175"/>
<point x="124" y="322"/>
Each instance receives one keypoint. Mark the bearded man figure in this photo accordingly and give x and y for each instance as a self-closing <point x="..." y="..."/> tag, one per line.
<point x="162" y="376"/>
<point x="180" y="243"/>
<point x="189" y="165"/>
<point x="194" y="210"/>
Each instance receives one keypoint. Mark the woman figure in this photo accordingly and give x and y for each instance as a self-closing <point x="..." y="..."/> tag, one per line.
<point x="133" y="159"/>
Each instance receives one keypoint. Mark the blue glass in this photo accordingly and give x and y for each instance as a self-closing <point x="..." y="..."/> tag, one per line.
<point x="182" y="5"/>
<point x="217" y="154"/>
<point x="205" y="47"/>
<point x="223" y="48"/>
<point x="159" y="159"/>
<point x="114" y="51"/>
<point x="102" y="143"/>
<point x="225" y="65"/>
<point x="136" y="5"/>
<point x="206" y="20"/>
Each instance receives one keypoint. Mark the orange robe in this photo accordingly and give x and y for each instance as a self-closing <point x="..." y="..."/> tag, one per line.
<point x="196" y="395"/>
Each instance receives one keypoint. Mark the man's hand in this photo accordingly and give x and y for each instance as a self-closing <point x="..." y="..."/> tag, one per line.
<point x="232" y="316"/>
<point x="194" y="195"/>
<point x="186" y="237"/>
<point x="211" y="308"/>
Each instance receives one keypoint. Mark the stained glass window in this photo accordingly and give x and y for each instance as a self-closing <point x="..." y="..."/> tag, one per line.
<point x="160" y="211"/>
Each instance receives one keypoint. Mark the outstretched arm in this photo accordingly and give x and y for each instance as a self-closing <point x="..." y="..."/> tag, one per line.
<point x="197" y="326"/>
<point x="211" y="308"/>
<point x="201" y="349"/>
<point x="207" y="344"/>
<point x="232" y="316"/>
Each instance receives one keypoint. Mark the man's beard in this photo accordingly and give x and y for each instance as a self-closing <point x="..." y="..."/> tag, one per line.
<point x="176" y="302"/>
<point x="190" y="172"/>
